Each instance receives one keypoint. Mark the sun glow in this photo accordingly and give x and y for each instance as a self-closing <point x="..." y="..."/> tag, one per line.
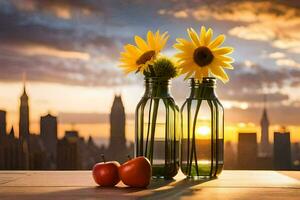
<point x="203" y="131"/>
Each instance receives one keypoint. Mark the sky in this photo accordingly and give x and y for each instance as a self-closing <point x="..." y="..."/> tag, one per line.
<point x="69" y="51"/>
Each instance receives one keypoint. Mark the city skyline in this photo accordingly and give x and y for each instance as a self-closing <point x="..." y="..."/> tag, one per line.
<point x="45" y="151"/>
<point x="103" y="125"/>
<point x="72" y="151"/>
<point x="70" y="55"/>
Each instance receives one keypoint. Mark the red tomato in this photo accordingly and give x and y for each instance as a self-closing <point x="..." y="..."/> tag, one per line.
<point x="136" y="172"/>
<point x="106" y="173"/>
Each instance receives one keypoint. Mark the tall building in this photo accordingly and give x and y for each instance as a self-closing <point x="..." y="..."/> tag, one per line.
<point x="11" y="153"/>
<point x="282" y="151"/>
<point x="247" y="151"/>
<point x="2" y="123"/>
<point x="265" y="148"/>
<point x="11" y="133"/>
<point x="24" y="116"/>
<point x="37" y="156"/>
<point x="229" y="156"/>
<point x="48" y="131"/>
<point x="117" y="141"/>
<point x="69" y="155"/>
<point x="296" y="155"/>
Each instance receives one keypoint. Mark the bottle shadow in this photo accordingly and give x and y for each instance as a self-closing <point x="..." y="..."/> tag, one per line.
<point x="174" y="188"/>
<point x="158" y="189"/>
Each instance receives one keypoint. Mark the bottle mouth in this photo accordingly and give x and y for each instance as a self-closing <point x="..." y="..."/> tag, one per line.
<point x="159" y="80"/>
<point x="206" y="81"/>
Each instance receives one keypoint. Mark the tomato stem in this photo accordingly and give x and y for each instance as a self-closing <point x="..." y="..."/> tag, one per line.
<point x="129" y="157"/>
<point x="103" y="158"/>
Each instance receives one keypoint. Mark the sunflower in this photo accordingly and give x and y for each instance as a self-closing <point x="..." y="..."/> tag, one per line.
<point x="202" y="55"/>
<point x="138" y="58"/>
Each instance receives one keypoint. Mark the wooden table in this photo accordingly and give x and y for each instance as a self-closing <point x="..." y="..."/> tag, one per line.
<point x="254" y="185"/>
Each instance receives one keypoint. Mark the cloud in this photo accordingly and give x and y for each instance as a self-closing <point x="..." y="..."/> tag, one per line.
<point x="283" y="115"/>
<point x="248" y="85"/>
<point x="49" y="54"/>
<point x="87" y="118"/>
<point x="181" y="14"/>
<point x="253" y="32"/>
<point x="254" y="97"/>
<point x="291" y="44"/>
<point x="287" y="62"/>
<point x="63" y="9"/>
<point x="277" y="55"/>
<point x="243" y="96"/>
<point x="72" y="72"/>
<point x="274" y="22"/>
<point x="40" y="50"/>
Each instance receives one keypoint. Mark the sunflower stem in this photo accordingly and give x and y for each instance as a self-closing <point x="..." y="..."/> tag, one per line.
<point x="194" y="153"/>
<point x="166" y="136"/>
<point x="156" y="91"/>
<point x="148" y="128"/>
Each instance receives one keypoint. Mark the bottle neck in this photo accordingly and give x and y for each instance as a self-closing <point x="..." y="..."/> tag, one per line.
<point x="157" y="87"/>
<point x="204" y="89"/>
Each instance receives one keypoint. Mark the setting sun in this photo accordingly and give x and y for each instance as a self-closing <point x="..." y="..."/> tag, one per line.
<point x="203" y="131"/>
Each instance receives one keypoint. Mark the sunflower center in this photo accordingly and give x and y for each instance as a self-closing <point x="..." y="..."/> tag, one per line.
<point x="145" y="57"/>
<point x="203" y="56"/>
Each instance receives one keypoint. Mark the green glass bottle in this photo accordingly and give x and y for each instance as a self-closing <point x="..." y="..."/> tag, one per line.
<point x="157" y="128"/>
<point x="202" y="129"/>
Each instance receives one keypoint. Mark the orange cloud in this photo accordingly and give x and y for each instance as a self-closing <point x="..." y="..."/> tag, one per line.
<point x="263" y="21"/>
<point x="62" y="12"/>
<point x="35" y="50"/>
<point x="277" y="55"/>
<point x="287" y="62"/>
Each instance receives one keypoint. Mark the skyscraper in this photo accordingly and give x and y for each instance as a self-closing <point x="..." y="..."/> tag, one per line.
<point x="265" y="148"/>
<point x="229" y="156"/>
<point x="247" y="151"/>
<point x="2" y="123"/>
<point x="282" y="151"/>
<point x="11" y="133"/>
<point x="117" y="141"/>
<point x="48" y="130"/>
<point x="67" y="154"/>
<point x="24" y="116"/>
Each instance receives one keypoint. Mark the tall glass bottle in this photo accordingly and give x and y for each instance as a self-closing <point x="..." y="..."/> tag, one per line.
<point x="157" y="128"/>
<point x="202" y="124"/>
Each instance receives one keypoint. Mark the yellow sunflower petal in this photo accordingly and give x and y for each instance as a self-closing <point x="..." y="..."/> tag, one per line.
<point x="217" y="42"/>
<point x="165" y="34"/>
<point x="141" y="43"/>
<point x="126" y="60"/>
<point x="151" y="40"/>
<point x="198" y="75"/>
<point x="132" y="49"/>
<point x="227" y="65"/>
<point x="223" y="51"/>
<point x="186" y="48"/>
<point x="194" y="36"/>
<point x="157" y="35"/>
<point x="127" y="55"/>
<point x="163" y="42"/>
<point x="205" y="71"/>
<point x="202" y="35"/>
<point x="184" y="41"/>
<point x="129" y="70"/>
<point x="188" y="75"/>
<point x="182" y="55"/>
<point x="225" y="59"/>
<point x="185" y="68"/>
<point x="208" y="36"/>
<point x="219" y="72"/>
